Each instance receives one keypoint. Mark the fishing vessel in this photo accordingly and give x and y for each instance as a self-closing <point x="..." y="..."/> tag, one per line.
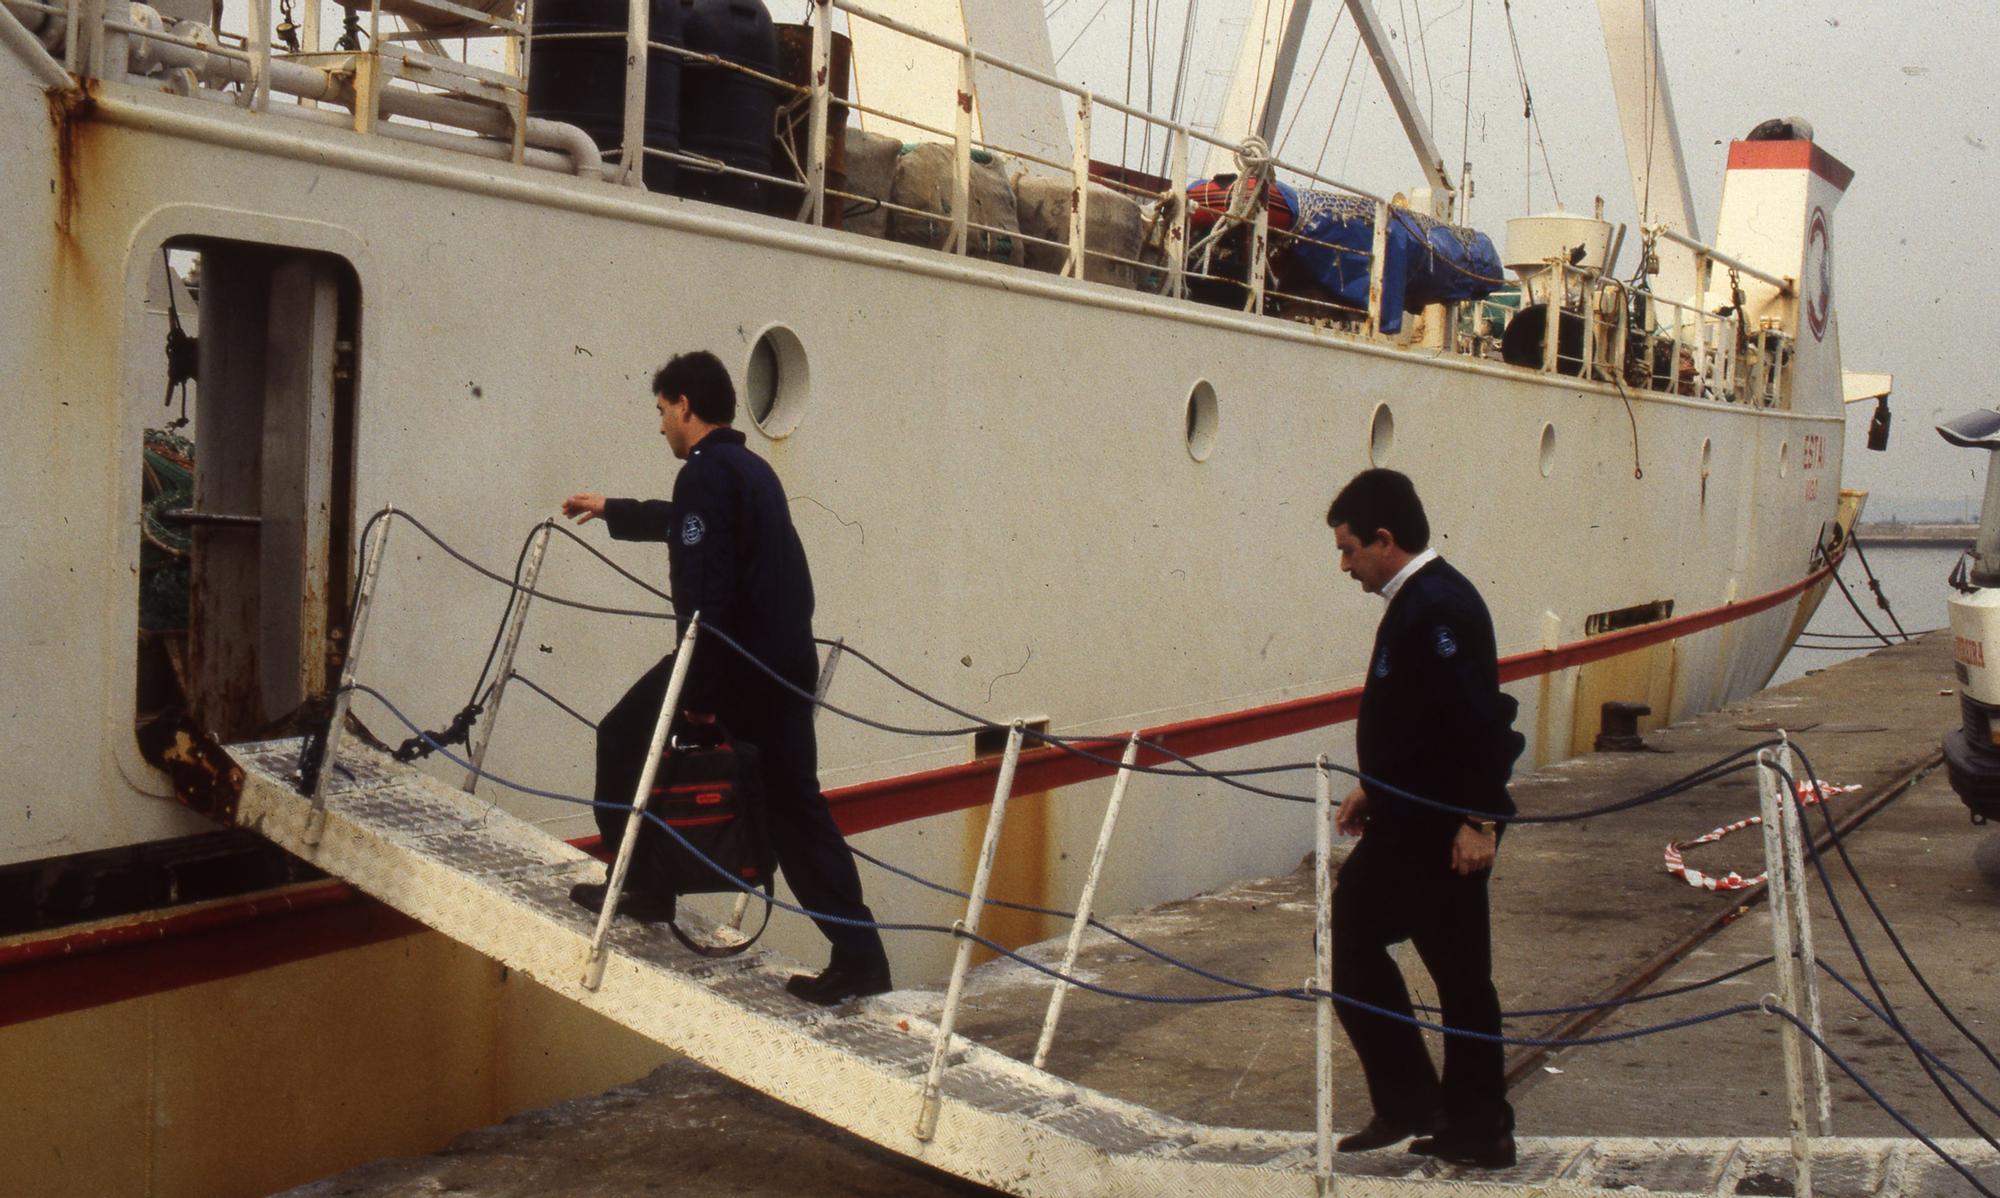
<point x="1059" y="436"/>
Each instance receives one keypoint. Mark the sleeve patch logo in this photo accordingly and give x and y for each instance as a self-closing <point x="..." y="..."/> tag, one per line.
<point x="1382" y="664"/>
<point x="692" y="530"/>
<point x="1442" y="641"/>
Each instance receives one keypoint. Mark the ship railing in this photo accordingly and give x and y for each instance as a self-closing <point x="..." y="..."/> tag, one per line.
<point x="1171" y="266"/>
<point x="1647" y="341"/>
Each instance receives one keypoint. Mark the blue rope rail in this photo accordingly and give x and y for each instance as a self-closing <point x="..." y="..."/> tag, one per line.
<point x="1250" y="991"/>
<point x="1306" y="993"/>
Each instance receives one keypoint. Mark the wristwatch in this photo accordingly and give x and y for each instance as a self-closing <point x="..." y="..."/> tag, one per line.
<point x="1481" y="826"/>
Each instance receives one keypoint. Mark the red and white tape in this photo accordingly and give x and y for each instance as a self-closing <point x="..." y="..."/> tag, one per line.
<point x="1677" y="865"/>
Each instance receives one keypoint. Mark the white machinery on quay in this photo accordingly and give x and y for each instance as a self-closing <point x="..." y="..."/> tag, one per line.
<point x="1972" y="750"/>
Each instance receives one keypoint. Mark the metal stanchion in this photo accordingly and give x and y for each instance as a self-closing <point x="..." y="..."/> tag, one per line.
<point x="531" y="573"/>
<point x="1808" y="967"/>
<point x="927" y="1114"/>
<point x="1778" y="895"/>
<point x="593" y="964"/>
<point x="336" y="725"/>
<point x="1084" y="901"/>
<point x="1323" y="972"/>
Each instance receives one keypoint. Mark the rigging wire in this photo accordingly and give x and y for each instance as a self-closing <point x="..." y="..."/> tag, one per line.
<point x="1319" y="164"/>
<point x="1299" y="107"/>
<point x="1465" y="131"/>
<point x="1131" y="19"/>
<point x="1260" y="91"/>
<point x="1102" y="4"/>
<point x="1649" y="53"/>
<point x="1424" y="45"/>
<point x="1180" y="82"/>
<point x="1528" y="112"/>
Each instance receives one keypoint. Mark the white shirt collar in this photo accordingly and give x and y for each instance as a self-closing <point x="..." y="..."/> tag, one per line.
<point x="1415" y="564"/>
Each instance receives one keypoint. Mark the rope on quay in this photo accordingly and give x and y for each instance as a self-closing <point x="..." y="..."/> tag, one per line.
<point x="1306" y="993"/>
<point x="1885" y="1017"/>
<point x="1861" y="956"/>
<point x="1875" y="585"/>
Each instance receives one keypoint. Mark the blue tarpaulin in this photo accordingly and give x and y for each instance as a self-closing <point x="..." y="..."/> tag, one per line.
<point x="1427" y="261"/>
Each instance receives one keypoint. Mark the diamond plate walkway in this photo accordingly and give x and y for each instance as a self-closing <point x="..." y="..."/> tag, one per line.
<point x="500" y="886"/>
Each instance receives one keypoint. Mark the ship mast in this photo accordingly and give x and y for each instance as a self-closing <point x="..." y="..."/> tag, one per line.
<point x="1652" y="138"/>
<point x="900" y="74"/>
<point x="1267" y="58"/>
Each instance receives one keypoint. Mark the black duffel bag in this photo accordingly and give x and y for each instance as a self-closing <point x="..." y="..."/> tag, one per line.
<point x="709" y="790"/>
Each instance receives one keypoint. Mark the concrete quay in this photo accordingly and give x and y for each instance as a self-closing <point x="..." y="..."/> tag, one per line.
<point x="1582" y="911"/>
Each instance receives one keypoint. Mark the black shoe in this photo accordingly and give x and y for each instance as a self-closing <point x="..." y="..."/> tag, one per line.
<point x="839" y="982"/>
<point x="637" y="904"/>
<point x="1478" y="1152"/>
<point x="1380" y="1133"/>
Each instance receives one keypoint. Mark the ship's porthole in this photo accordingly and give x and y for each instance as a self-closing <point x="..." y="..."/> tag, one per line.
<point x="1548" y="449"/>
<point x="776" y="381"/>
<point x="1381" y="435"/>
<point x="1784" y="459"/>
<point x="1201" y="421"/>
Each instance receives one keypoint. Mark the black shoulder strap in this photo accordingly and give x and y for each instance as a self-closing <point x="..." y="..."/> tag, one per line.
<point x="724" y="950"/>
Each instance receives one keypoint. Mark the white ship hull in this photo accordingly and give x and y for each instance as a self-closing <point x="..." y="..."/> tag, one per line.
<point x="990" y="472"/>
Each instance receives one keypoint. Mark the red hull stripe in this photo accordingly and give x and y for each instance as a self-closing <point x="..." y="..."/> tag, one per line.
<point x="1789" y="156"/>
<point x="73" y="969"/>
<point x="870" y="805"/>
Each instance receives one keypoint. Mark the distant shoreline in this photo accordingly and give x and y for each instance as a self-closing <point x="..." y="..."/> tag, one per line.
<point x="1892" y="532"/>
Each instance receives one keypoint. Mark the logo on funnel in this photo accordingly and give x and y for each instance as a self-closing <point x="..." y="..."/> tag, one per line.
<point x="1819" y="256"/>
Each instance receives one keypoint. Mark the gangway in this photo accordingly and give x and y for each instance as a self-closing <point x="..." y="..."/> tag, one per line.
<point x="500" y="886"/>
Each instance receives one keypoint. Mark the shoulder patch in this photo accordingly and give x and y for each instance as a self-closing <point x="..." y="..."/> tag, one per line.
<point x="1442" y="641"/>
<point x="1381" y="667"/>
<point x="692" y="530"/>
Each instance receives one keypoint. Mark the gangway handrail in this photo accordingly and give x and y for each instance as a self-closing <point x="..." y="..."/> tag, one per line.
<point x="1796" y="1000"/>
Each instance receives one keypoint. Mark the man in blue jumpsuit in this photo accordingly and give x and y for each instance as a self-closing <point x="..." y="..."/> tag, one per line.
<point x="733" y="556"/>
<point x="1433" y="723"/>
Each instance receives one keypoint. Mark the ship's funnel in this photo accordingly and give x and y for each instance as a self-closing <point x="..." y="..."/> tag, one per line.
<point x="1777" y="215"/>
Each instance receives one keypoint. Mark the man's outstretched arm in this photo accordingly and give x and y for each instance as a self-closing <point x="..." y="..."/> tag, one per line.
<point x="624" y="519"/>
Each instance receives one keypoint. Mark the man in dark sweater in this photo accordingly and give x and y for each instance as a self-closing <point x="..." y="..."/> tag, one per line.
<point x="733" y="556"/>
<point x="1435" y="724"/>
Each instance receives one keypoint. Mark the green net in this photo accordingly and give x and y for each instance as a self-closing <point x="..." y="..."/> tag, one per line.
<point x="163" y="551"/>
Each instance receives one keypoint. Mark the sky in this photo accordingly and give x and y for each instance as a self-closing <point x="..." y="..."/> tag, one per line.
<point x="1902" y="94"/>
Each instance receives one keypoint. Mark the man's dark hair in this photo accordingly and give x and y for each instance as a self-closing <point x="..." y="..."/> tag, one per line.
<point x="1377" y="499"/>
<point x="703" y="378"/>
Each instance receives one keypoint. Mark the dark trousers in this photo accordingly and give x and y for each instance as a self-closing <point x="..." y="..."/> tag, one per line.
<point x="1387" y="893"/>
<point x="812" y="854"/>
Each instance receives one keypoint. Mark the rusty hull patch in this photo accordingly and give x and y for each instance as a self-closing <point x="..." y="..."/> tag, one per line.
<point x="205" y="777"/>
<point x="69" y="110"/>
